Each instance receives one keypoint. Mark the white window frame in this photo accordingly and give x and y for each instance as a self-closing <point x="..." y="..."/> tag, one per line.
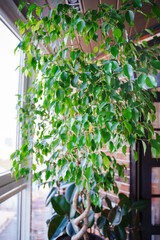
<point x="8" y="185"/>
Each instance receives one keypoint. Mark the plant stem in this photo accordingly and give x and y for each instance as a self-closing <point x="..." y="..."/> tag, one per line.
<point x="83" y="216"/>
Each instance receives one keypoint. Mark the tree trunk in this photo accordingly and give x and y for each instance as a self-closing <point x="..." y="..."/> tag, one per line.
<point x="83" y="216"/>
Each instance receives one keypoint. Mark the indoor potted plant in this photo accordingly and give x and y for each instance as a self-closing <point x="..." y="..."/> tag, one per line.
<point x="113" y="222"/>
<point x="79" y="103"/>
<point x="65" y="213"/>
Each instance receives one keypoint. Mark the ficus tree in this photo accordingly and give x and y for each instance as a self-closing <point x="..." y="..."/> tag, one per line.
<point x="112" y="222"/>
<point x="79" y="103"/>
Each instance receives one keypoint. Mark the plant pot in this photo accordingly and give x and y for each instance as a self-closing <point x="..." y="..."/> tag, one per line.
<point x="91" y="235"/>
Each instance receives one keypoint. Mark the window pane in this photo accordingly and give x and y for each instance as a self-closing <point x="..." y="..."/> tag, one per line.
<point x="155" y="237"/>
<point x="156" y="180"/>
<point x="156" y="123"/>
<point x="40" y="213"/>
<point x="154" y="137"/>
<point x="155" y="211"/>
<point x="8" y="100"/>
<point x="8" y="219"/>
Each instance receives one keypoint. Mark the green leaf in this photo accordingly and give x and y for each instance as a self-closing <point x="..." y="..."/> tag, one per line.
<point x="140" y="205"/>
<point x="93" y="145"/>
<point x="63" y="137"/>
<point x="89" y="173"/>
<point x="99" y="161"/>
<point x="151" y="82"/>
<point x="117" y="33"/>
<point x="82" y="141"/>
<point x="15" y="154"/>
<point x="105" y="135"/>
<point x="47" y="40"/>
<point x="144" y="147"/>
<point x="127" y="113"/>
<point x="87" y="185"/>
<point x="70" y="146"/>
<point x="72" y="212"/>
<point x="135" y="115"/>
<point x="102" y="105"/>
<point x="128" y="126"/>
<point x="73" y="55"/>
<point x="60" y="205"/>
<point x="56" y="226"/>
<point x="60" y="94"/>
<point x="21" y="29"/>
<point x="155" y="144"/>
<point x="141" y="80"/>
<point x="130" y="17"/>
<point x="101" y="222"/>
<point x="135" y="155"/>
<point x="155" y="147"/>
<point x="95" y="49"/>
<point x="138" y="3"/>
<point x="65" y="79"/>
<point x="60" y="7"/>
<point x="88" y="140"/>
<point x="71" y="229"/>
<point x="64" y="76"/>
<point x="37" y="26"/>
<point x="115" y="51"/>
<point x="38" y="10"/>
<point x="143" y="70"/>
<point x="122" y="196"/>
<point x="108" y="201"/>
<point x="91" y="216"/>
<point x="57" y="108"/>
<point x="50" y="195"/>
<point x="57" y="19"/>
<point x="124" y="148"/>
<point x="83" y="85"/>
<point x="108" y="69"/>
<point x="55" y="143"/>
<point x="128" y="70"/>
<point x="120" y="233"/>
<point x="131" y="140"/>
<point x="111" y="146"/>
<point x="69" y="193"/>
<point x="80" y="26"/>
<point x="24" y="148"/>
<point x="155" y="152"/>
<point x="115" y="216"/>
<point x="74" y="81"/>
<point x="115" y="65"/>
<point x="155" y="64"/>
<point x="149" y="31"/>
<point x="156" y="10"/>
<point x="106" y="159"/>
<point x="95" y="37"/>
<point x="76" y="128"/>
<point x="31" y="8"/>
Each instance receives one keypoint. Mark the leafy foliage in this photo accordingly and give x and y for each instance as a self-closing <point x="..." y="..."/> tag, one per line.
<point x="64" y="214"/>
<point x="79" y="103"/>
<point x="114" y="222"/>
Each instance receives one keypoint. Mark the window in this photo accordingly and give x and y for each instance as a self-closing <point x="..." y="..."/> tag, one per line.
<point x="8" y="90"/>
<point x="15" y="196"/>
<point x="9" y="218"/>
<point x="148" y="184"/>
